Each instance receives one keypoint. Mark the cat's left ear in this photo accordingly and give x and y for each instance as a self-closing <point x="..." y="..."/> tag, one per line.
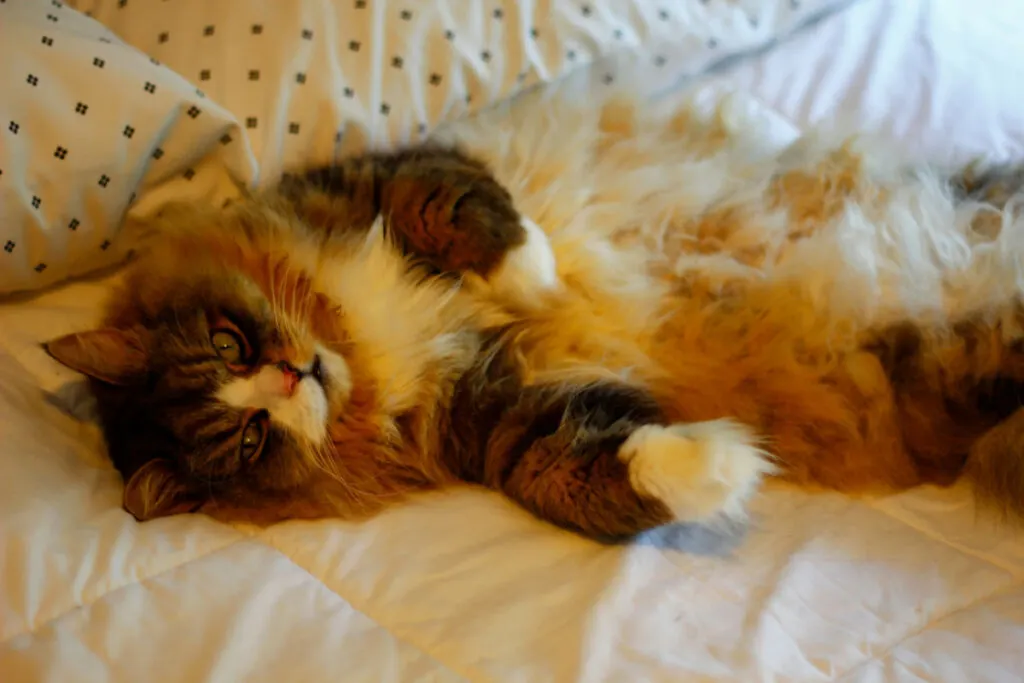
<point x="109" y="355"/>
<point x="156" y="490"/>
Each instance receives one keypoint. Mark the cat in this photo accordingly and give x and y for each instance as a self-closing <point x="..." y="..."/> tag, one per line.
<point x="393" y="324"/>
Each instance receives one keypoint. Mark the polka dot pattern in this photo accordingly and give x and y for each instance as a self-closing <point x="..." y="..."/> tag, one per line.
<point x="185" y="99"/>
<point x="86" y="125"/>
<point x="384" y="72"/>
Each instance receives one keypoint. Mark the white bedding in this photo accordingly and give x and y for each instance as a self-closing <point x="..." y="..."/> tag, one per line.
<point x="462" y="586"/>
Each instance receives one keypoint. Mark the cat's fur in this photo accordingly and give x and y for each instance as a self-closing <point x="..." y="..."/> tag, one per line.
<point x="687" y="321"/>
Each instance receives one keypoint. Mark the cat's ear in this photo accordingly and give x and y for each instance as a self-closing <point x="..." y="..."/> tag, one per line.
<point x="156" y="490"/>
<point x="109" y="355"/>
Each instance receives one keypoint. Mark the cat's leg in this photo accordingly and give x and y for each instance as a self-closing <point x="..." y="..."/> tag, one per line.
<point x="699" y="471"/>
<point x="957" y="391"/>
<point x="442" y="207"/>
<point x="601" y="460"/>
<point x="995" y="467"/>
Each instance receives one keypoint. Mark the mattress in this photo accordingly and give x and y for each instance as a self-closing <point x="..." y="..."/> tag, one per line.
<point x="462" y="585"/>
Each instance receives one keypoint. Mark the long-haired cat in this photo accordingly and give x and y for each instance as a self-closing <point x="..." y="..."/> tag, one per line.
<point x="617" y="319"/>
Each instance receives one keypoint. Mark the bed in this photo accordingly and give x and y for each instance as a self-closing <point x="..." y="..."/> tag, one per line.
<point x="462" y="585"/>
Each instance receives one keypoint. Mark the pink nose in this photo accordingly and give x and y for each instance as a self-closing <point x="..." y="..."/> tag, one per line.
<point x="289" y="378"/>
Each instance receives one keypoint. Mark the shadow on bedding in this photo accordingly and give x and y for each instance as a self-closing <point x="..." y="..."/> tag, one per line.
<point x="694" y="539"/>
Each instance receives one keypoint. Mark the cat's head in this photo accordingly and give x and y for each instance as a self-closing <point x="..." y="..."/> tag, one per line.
<point x="220" y="370"/>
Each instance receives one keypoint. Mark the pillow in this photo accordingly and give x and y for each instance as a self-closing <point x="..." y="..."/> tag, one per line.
<point x="88" y="126"/>
<point x="92" y="132"/>
<point x="312" y="79"/>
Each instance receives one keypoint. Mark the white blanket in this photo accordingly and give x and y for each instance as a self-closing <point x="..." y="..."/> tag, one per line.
<point x="463" y="586"/>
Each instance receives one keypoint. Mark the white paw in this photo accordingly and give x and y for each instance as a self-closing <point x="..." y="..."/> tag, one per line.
<point x="529" y="270"/>
<point x="699" y="470"/>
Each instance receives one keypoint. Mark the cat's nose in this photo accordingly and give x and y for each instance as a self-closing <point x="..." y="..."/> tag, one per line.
<point x="290" y="377"/>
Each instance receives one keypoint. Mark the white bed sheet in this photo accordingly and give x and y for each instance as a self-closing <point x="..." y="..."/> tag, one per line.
<point x="463" y="586"/>
<point x="939" y="79"/>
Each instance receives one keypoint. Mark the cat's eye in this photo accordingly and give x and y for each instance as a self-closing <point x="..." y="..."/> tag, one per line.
<point x="229" y="347"/>
<point x="253" y="437"/>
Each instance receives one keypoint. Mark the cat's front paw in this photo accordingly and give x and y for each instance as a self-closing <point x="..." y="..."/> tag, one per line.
<point x="699" y="471"/>
<point x="529" y="270"/>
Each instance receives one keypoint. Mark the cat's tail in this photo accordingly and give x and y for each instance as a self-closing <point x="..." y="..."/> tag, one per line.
<point x="995" y="467"/>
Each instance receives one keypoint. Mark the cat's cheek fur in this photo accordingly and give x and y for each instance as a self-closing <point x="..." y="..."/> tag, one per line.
<point x="529" y="271"/>
<point x="699" y="471"/>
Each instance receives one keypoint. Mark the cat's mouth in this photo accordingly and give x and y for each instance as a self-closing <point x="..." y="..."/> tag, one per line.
<point x="291" y="376"/>
<point x="317" y="371"/>
<point x="332" y="373"/>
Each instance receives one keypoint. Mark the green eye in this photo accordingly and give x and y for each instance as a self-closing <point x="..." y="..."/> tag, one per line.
<point x="228" y="346"/>
<point x="253" y="438"/>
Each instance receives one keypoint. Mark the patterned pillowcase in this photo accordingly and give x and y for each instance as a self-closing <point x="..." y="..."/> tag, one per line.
<point x="311" y="79"/>
<point x="87" y="126"/>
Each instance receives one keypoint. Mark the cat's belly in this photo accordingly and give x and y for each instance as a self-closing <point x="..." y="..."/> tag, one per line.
<point x="823" y="402"/>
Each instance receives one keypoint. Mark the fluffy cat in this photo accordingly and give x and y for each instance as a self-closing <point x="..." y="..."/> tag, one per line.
<point x="691" y="318"/>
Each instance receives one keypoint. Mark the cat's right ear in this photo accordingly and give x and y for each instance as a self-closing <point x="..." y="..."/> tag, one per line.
<point x="156" y="490"/>
<point x="109" y="355"/>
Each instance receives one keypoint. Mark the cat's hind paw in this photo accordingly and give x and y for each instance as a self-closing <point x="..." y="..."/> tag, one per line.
<point x="699" y="471"/>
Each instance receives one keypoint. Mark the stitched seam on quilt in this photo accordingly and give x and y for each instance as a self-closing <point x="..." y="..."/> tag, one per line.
<point x="47" y="621"/>
<point x="1016" y="583"/>
<point x="398" y="634"/>
<point x="1016" y="572"/>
